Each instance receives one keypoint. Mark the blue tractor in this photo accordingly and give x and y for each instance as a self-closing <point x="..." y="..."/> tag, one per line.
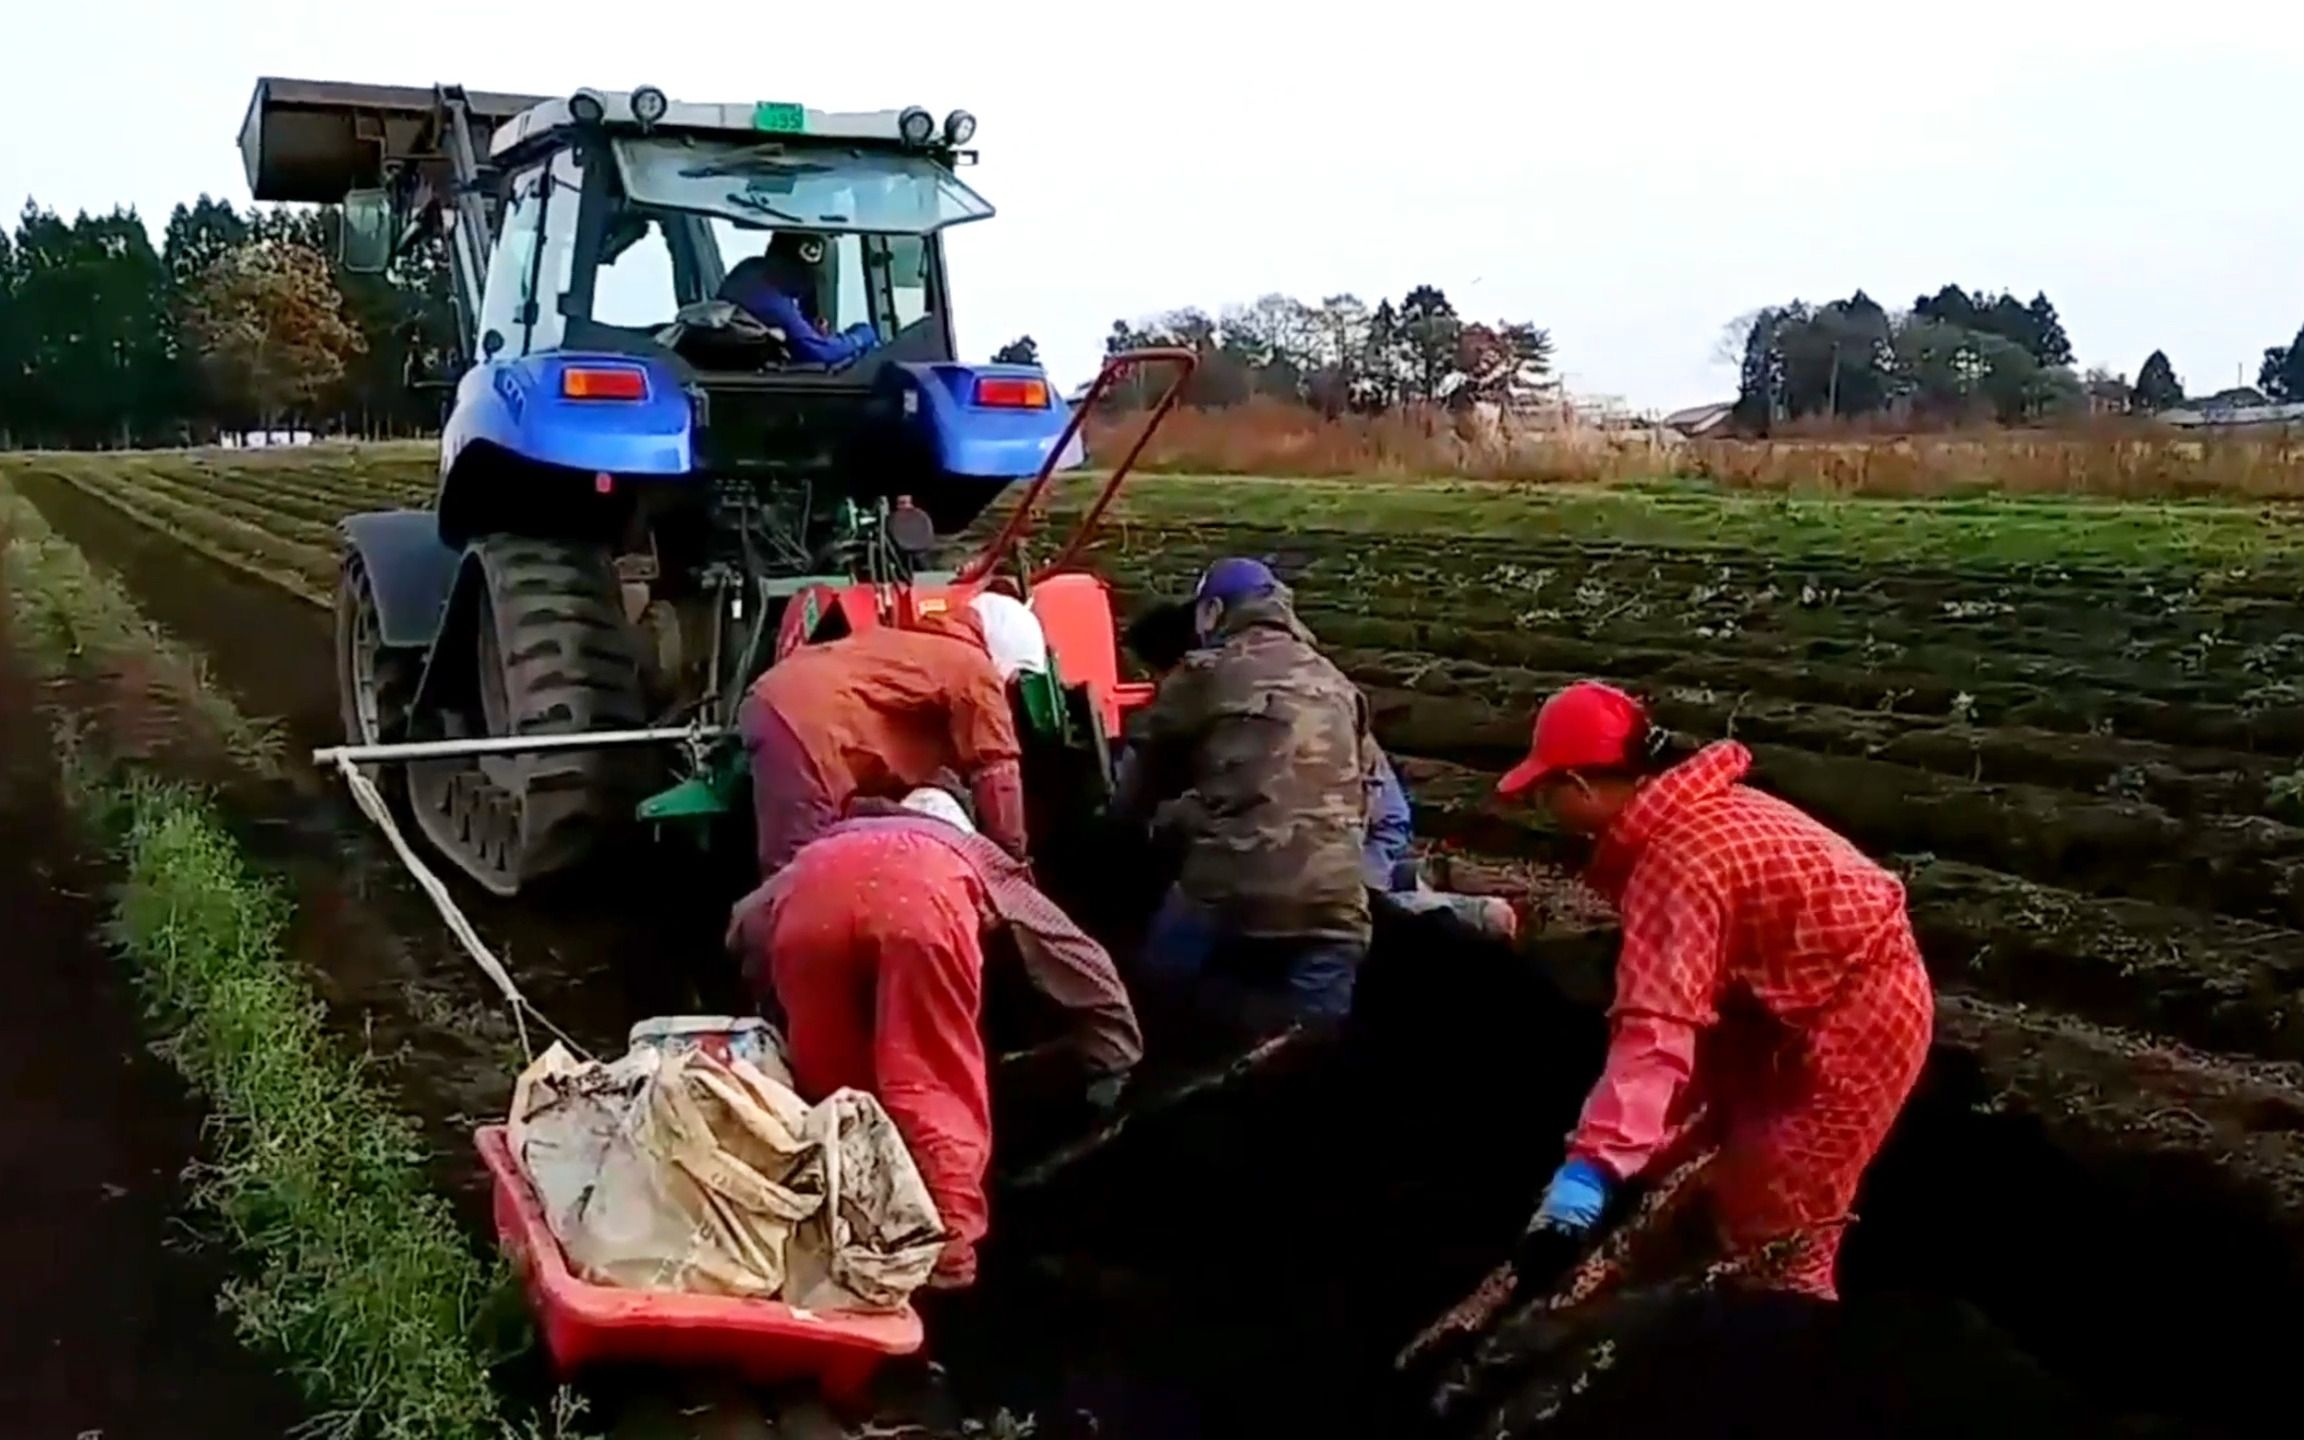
<point x="706" y="366"/>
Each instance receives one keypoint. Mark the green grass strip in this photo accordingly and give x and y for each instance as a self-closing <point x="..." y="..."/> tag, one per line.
<point x="363" y="1282"/>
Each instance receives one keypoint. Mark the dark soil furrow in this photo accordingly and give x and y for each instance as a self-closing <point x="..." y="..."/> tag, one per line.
<point x="2121" y="659"/>
<point x="2220" y="983"/>
<point x="2274" y="728"/>
<point x="258" y="513"/>
<point x="2249" y="868"/>
<point x="297" y="514"/>
<point x="316" y="498"/>
<point x="1758" y="597"/>
<point x="1478" y="714"/>
<point x="2273" y="578"/>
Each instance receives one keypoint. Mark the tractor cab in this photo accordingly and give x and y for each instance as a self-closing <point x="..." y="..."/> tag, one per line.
<point x="619" y="233"/>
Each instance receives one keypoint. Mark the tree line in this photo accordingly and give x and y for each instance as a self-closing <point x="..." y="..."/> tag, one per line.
<point x="240" y="320"/>
<point x="1339" y="356"/>
<point x="1951" y="358"/>
<point x="237" y="321"/>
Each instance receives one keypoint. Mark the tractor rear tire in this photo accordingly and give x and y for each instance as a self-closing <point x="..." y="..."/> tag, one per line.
<point x="551" y="653"/>
<point x="375" y="683"/>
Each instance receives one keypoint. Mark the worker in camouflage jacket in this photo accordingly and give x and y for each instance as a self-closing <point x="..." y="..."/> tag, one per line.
<point x="1254" y="764"/>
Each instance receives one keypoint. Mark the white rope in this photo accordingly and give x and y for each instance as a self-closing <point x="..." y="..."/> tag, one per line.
<point x="371" y="803"/>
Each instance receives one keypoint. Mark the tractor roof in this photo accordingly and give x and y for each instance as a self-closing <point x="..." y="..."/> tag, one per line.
<point x="314" y="140"/>
<point x="745" y="118"/>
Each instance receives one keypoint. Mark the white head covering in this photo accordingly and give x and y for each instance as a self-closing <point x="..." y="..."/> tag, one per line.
<point x="1012" y="633"/>
<point x="930" y="800"/>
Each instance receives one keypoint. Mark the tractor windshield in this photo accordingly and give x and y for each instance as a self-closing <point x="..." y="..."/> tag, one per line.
<point x="829" y="187"/>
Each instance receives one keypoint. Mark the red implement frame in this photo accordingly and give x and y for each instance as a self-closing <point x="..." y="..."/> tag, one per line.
<point x="1020" y="521"/>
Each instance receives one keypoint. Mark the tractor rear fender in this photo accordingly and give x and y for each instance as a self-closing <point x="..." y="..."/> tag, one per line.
<point x="410" y="569"/>
<point x="620" y="415"/>
<point x="980" y="422"/>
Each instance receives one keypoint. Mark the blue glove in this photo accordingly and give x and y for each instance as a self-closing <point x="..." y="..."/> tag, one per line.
<point x="862" y="335"/>
<point x="1574" y="1199"/>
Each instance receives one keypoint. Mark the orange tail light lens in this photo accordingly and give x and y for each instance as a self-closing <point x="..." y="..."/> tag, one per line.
<point x="603" y="383"/>
<point x="1011" y="392"/>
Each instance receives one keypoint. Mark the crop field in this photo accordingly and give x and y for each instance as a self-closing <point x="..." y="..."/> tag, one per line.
<point x="2075" y="726"/>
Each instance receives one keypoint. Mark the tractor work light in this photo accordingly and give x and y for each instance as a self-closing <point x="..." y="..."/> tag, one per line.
<point x="1011" y="392"/>
<point x="603" y="382"/>
<point x="916" y="125"/>
<point x="649" y="105"/>
<point x="959" y="128"/>
<point x="587" y="108"/>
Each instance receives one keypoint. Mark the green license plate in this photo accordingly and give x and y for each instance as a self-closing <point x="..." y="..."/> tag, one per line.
<point x="781" y="119"/>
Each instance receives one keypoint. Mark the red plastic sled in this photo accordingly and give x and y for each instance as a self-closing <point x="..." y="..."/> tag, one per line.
<point x="765" y="1342"/>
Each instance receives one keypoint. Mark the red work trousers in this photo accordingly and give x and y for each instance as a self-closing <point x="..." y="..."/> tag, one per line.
<point x="877" y="957"/>
<point x="1800" y="1121"/>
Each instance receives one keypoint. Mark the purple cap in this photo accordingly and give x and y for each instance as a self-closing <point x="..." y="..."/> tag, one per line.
<point x="1235" y="579"/>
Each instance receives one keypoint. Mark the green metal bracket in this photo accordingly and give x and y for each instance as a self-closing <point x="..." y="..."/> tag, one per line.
<point x="700" y="800"/>
<point x="1044" y="707"/>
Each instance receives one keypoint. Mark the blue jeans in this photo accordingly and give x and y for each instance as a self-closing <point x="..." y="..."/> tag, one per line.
<point x="1311" y="978"/>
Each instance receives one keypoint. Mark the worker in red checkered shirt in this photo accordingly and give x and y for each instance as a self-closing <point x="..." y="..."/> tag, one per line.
<point x="1769" y="996"/>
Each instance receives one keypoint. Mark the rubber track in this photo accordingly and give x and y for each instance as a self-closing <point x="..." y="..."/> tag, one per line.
<point x="570" y="664"/>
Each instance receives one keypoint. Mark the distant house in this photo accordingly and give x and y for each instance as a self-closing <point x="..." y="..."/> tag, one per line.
<point x="2243" y="406"/>
<point x="1699" y="420"/>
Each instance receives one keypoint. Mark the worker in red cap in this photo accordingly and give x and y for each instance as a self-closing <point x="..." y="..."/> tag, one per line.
<point x="1769" y="975"/>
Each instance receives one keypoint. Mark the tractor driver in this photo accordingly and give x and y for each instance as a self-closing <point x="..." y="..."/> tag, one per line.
<point x="778" y="287"/>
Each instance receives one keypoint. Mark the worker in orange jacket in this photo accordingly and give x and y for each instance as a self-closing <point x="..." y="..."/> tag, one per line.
<point x="1769" y="996"/>
<point x="872" y="943"/>
<point x="881" y="712"/>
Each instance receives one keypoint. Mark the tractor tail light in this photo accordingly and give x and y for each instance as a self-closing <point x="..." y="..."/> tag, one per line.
<point x="616" y="383"/>
<point x="1011" y="392"/>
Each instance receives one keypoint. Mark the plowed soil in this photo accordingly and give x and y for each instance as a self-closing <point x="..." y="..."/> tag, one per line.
<point x="2074" y="734"/>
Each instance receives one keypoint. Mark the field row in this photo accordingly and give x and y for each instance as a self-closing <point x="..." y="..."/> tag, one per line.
<point x="2051" y="647"/>
<point x="2097" y="774"/>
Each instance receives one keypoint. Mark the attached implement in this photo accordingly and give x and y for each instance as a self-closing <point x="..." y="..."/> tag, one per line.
<point x="647" y="494"/>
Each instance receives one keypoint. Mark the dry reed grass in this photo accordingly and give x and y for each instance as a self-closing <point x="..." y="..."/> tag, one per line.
<point x="2124" y="461"/>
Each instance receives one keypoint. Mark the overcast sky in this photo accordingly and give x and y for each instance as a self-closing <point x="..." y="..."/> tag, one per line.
<point x="1632" y="176"/>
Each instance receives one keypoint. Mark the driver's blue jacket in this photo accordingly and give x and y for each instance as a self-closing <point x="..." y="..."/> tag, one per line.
<point x="750" y="288"/>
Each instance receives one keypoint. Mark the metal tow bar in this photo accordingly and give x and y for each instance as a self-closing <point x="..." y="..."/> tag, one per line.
<point x="511" y="745"/>
<point x="346" y="760"/>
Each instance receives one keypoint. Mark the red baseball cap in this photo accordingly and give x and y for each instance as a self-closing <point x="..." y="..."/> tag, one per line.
<point x="1586" y="726"/>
